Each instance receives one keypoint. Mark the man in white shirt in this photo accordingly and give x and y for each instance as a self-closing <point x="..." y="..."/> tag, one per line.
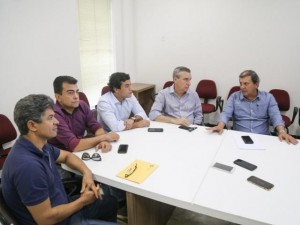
<point x="119" y="109"/>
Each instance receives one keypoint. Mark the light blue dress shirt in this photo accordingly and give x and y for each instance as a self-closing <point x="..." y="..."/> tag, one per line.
<point x="252" y="116"/>
<point x="167" y="103"/>
<point x="112" y="113"/>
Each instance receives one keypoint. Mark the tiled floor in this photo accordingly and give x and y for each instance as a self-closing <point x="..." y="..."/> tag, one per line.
<point x="185" y="217"/>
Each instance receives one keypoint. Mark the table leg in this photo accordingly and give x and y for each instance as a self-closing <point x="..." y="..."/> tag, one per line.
<point x="145" y="211"/>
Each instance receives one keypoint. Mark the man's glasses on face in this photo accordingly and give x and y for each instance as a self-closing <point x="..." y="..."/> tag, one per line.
<point x="86" y="156"/>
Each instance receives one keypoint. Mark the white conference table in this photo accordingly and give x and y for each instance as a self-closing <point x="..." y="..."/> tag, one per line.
<point x="231" y="197"/>
<point x="183" y="159"/>
<point x="186" y="179"/>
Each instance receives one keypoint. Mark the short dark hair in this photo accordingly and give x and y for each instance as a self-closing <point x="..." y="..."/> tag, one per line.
<point x="179" y="69"/>
<point x="32" y="108"/>
<point x="58" y="83"/>
<point x="116" y="79"/>
<point x="254" y="77"/>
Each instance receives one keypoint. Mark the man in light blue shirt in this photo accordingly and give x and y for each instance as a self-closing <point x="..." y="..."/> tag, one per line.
<point x="115" y="108"/>
<point x="178" y="104"/>
<point x="253" y="110"/>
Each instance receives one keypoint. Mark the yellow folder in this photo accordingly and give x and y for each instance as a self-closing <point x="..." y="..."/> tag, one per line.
<point x="137" y="171"/>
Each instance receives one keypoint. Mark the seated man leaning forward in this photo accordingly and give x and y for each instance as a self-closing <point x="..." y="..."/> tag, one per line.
<point x="75" y="117"/>
<point x="253" y="110"/>
<point x="178" y="104"/>
<point x="31" y="185"/>
<point x="119" y="109"/>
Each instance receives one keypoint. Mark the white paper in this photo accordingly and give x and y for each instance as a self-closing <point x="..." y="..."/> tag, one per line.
<point x="257" y="144"/>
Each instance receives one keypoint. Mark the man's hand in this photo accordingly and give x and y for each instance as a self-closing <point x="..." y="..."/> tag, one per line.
<point x="219" y="128"/>
<point x="89" y="184"/>
<point x="111" y="136"/>
<point x="288" y="138"/>
<point x="104" y="146"/>
<point x="128" y="124"/>
<point x="180" y="121"/>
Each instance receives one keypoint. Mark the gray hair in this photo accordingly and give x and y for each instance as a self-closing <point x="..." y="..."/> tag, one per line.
<point x="31" y="107"/>
<point x="254" y="77"/>
<point x="179" y="69"/>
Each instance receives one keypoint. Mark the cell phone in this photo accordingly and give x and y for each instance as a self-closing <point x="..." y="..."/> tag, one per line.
<point x="247" y="139"/>
<point x="155" y="129"/>
<point x="223" y="167"/>
<point x="244" y="164"/>
<point x="122" y="149"/>
<point x="260" y="182"/>
<point x="190" y="129"/>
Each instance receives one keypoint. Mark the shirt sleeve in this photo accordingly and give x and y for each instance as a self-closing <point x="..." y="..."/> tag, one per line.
<point x="158" y="106"/>
<point x="105" y="111"/>
<point x="228" y="109"/>
<point x="198" y="115"/>
<point x="274" y="113"/>
<point x="137" y="109"/>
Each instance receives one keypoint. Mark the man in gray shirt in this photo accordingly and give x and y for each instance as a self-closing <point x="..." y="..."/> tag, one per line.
<point x="178" y="104"/>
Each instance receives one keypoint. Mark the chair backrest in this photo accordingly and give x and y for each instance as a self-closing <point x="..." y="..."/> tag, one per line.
<point x="232" y="90"/>
<point x="282" y="98"/>
<point x="6" y="217"/>
<point x="206" y="89"/>
<point x="105" y="89"/>
<point x="8" y="132"/>
<point x="83" y="97"/>
<point x="168" y="84"/>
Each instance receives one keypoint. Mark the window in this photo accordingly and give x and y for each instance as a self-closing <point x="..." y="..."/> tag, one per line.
<point x="95" y="46"/>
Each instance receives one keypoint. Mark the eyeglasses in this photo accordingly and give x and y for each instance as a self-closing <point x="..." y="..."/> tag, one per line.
<point x="86" y="156"/>
<point x="130" y="171"/>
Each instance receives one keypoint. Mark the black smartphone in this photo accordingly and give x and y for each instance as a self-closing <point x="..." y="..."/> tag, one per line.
<point x="223" y="167"/>
<point x="151" y="129"/>
<point x="122" y="149"/>
<point x="260" y="182"/>
<point x="187" y="128"/>
<point x="245" y="164"/>
<point x="247" y="139"/>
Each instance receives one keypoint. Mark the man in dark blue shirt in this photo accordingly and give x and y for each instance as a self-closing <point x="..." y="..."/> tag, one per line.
<point x="31" y="185"/>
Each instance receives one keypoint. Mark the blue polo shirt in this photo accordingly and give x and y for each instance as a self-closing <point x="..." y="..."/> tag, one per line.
<point x="29" y="177"/>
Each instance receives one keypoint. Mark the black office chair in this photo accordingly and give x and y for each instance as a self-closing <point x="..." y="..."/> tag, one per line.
<point x="6" y="217"/>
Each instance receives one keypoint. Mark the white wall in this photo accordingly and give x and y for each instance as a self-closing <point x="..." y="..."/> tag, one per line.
<point x="39" y="41"/>
<point x="219" y="39"/>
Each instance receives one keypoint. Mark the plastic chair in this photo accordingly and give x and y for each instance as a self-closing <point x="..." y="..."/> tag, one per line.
<point x="8" y="133"/>
<point x="282" y="98"/>
<point x="207" y="90"/>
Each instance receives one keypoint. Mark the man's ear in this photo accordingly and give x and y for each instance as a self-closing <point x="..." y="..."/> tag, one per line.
<point x="31" y="125"/>
<point x="57" y="96"/>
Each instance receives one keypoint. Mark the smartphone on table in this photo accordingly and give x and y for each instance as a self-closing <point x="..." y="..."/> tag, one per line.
<point x="151" y="129"/>
<point x="245" y="164"/>
<point x="247" y="139"/>
<point x="122" y="149"/>
<point x="260" y="182"/>
<point x="187" y="128"/>
<point x="223" y="167"/>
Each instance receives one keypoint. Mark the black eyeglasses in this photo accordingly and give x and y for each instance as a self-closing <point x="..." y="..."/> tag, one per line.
<point x="130" y="171"/>
<point x="86" y="156"/>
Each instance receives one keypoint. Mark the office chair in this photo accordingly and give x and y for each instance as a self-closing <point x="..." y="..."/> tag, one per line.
<point x="8" y="133"/>
<point x="166" y="85"/>
<point x="105" y="89"/>
<point x="83" y="97"/>
<point x="6" y="217"/>
<point x="207" y="90"/>
<point x="282" y="98"/>
<point x="231" y="91"/>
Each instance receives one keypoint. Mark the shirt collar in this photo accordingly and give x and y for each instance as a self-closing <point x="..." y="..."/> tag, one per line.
<point x="242" y="98"/>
